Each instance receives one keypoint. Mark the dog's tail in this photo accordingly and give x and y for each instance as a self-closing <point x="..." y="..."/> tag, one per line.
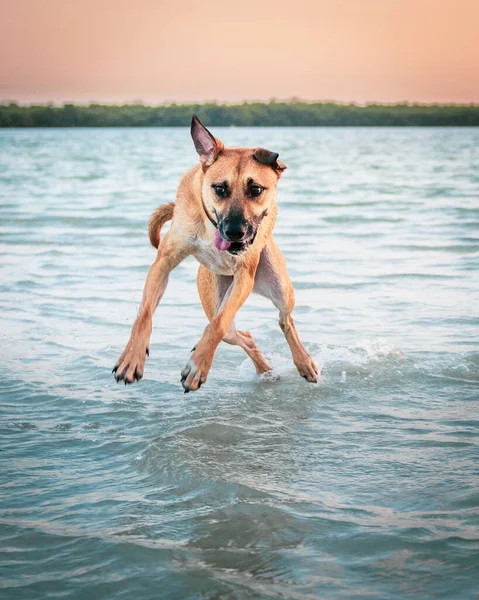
<point x="161" y="215"/>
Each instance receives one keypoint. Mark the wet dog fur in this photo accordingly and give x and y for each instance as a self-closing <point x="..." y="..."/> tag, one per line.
<point x="224" y="215"/>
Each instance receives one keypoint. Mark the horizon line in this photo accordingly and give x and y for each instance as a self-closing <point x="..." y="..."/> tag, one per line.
<point x="167" y="103"/>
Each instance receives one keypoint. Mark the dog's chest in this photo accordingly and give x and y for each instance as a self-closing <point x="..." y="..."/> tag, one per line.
<point x="217" y="261"/>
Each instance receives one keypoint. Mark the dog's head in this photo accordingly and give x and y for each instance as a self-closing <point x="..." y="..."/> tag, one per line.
<point x="239" y="187"/>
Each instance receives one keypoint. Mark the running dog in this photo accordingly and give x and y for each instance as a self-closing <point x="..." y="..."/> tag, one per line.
<point x="224" y="215"/>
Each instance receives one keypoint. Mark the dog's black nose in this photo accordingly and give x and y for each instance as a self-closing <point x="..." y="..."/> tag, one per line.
<point x="234" y="232"/>
<point x="234" y="226"/>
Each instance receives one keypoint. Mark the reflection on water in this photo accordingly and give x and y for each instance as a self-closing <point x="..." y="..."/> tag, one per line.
<point x="362" y="486"/>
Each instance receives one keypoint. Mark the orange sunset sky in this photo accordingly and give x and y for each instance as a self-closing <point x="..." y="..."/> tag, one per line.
<point x="191" y="50"/>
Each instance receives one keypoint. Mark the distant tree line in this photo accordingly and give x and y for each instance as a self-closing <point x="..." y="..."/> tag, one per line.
<point x="273" y="114"/>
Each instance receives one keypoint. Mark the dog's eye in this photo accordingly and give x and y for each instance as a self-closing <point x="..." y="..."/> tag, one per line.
<point x="221" y="191"/>
<point x="255" y="191"/>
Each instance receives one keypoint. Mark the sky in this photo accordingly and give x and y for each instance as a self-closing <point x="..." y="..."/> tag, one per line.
<point x="158" y="51"/>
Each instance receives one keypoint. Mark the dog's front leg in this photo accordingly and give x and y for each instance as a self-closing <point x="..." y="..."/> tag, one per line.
<point x="197" y="368"/>
<point x="130" y="365"/>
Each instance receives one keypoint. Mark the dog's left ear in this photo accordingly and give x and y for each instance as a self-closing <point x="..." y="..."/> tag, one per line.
<point x="207" y="146"/>
<point x="266" y="157"/>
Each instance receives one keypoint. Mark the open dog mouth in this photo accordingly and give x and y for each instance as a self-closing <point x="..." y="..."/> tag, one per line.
<point x="238" y="247"/>
<point x="233" y="247"/>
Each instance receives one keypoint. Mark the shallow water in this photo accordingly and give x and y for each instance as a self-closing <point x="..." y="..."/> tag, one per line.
<point x="364" y="486"/>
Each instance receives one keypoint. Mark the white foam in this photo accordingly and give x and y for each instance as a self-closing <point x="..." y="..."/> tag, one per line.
<point x="358" y="358"/>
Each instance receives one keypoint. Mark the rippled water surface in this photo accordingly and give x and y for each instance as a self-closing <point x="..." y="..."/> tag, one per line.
<point x="363" y="486"/>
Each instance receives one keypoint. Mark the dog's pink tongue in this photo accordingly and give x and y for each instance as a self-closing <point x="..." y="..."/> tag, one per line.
<point x="220" y="243"/>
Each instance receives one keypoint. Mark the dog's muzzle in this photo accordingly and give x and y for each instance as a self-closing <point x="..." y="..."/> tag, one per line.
<point x="239" y="241"/>
<point x="234" y="230"/>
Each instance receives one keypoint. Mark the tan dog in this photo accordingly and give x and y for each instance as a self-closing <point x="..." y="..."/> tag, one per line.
<point x="224" y="216"/>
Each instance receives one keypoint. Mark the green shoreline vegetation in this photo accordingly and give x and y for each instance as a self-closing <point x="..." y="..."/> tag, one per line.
<point x="248" y="114"/>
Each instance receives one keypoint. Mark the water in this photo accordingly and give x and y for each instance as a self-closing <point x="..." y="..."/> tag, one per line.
<point x="364" y="486"/>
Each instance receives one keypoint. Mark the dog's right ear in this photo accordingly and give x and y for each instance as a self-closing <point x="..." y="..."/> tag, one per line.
<point x="207" y="146"/>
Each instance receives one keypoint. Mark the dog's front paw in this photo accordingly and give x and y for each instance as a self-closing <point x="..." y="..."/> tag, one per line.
<point x="131" y="364"/>
<point x="195" y="372"/>
<point x="307" y="368"/>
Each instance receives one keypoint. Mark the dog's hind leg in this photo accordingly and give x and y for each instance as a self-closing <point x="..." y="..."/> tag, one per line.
<point x="245" y="340"/>
<point x="273" y="282"/>
<point x="212" y="289"/>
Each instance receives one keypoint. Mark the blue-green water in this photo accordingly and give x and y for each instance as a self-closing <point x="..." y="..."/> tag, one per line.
<point x="364" y="486"/>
